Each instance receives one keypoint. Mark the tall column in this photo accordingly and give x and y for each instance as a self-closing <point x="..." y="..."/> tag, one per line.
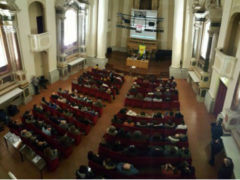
<point x="177" y="33"/>
<point x="93" y="23"/>
<point x="209" y="47"/>
<point x="187" y="54"/>
<point x="102" y="29"/>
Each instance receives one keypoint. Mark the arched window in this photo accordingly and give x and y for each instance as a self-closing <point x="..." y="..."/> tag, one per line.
<point x="70" y="27"/>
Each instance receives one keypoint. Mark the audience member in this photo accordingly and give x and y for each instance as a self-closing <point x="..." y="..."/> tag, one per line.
<point x="226" y="170"/>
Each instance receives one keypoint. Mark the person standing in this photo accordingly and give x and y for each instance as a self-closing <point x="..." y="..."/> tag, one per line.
<point x="216" y="147"/>
<point x="226" y="170"/>
<point x="35" y="82"/>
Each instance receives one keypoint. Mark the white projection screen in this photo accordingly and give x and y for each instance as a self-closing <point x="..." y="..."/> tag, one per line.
<point x="145" y="22"/>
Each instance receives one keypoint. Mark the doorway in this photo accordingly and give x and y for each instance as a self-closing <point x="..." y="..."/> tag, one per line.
<point x="222" y="90"/>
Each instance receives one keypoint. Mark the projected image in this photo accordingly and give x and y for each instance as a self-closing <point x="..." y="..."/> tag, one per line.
<point x="144" y="24"/>
<point x="140" y="14"/>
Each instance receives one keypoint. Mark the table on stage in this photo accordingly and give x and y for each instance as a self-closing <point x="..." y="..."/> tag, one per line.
<point x="138" y="63"/>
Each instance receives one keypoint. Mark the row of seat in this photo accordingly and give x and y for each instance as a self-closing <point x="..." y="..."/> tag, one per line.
<point x="101" y="84"/>
<point x="92" y="92"/>
<point x="165" y="105"/>
<point x="165" y="119"/>
<point x="45" y="113"/>
<point x="91" y="105"/>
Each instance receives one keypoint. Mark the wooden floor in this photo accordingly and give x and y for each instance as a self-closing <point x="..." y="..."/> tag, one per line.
<point x="195" y="116"/>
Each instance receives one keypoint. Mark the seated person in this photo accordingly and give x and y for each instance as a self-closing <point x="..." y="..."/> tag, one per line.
<point x="43" y="101"/>
<point x="72" y="128"/>
<point x="185" y="153"/>
<point x="112" y="131"/>
<point x="126" y="169"/>
<point x="94" y="157"/>
<point x="178" y="115"/>
<point x="117" y="120"/>
<point x="130" y="96"/>
<point x="84" y="172"/>
<point x="170" y="125"/>
<point x="109" y="164"/>
<point x="25" y="133"/>
<point x="138" y="135"/>
<point x="169" y="170"/>
<point x="54" y="95"/>
<point x="46" y="130"/>
<point x="177" y="138"/>
<point x="123" y="111"/>
<point x="171" y="151"/>
<point x="129" y="123"/>
<point x="50" y="153"/>
<point x="37" y="108"/>
<point x="117" y="146"/>
<point x="181" y="126"/>
<point x="148" y="99"/>
<point x="158" y="115"/>
<point x="96" y="67"/>
<point x="157" y="138"/>
<point x="27" y="115"/>
<point x="156" y="151"/>
<point x="63" y="124"/>
<point x="99" y="103"/>
<point x="141" y="124"/>
<point x="66" y="141"/>
<point x="41" y="144"/>
<point x="186" y="169"/>
<point x="131" y="113"/>
<point x="14" y="124"/>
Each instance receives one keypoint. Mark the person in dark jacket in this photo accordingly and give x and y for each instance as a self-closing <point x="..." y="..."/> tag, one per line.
<point x="226" y="171"/>
<point x="216" y="147"/>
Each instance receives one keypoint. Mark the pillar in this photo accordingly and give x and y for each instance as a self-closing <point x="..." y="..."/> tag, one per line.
<point x="177" y="33"/>
<point x="187" y="54"/>
<point x="209" y="47"/>
<point x="102" y="29"/>
<point x="93" y="23"/>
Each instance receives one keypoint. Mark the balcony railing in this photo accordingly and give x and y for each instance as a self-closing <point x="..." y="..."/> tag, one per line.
<point x="40" y="42"/>
<point x="224" y="64"/>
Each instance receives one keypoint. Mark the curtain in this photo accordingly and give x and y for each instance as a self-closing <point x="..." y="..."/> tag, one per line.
<point x="222" y="90"/>
<point x="13" y="48"/>
<point x="3" y="56"/>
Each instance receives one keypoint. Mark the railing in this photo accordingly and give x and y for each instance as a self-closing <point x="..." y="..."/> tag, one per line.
<point x="224" y="64"/>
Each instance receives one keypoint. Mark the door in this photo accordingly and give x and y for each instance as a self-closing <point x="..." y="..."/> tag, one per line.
<point x="222" y="90"/>
<point x="40" y="24"/>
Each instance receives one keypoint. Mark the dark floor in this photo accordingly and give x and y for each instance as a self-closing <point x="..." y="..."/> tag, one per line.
<point x="196" y="117"/>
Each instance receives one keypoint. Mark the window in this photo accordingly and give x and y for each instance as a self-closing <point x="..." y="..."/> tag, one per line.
<point x="3" y="56"/>
<point x="205" y="40"/>
<point x="70" y="27"/>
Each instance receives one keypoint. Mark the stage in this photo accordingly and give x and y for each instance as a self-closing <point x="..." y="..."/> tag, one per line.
<point x="117" y="62"/>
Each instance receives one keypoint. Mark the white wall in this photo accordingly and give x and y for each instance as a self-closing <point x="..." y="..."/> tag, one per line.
<point x="24" y="31"/>
<point x="47" y="60"/>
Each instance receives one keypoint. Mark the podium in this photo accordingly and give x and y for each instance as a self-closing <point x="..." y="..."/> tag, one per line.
<point x="138" y="63"/>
